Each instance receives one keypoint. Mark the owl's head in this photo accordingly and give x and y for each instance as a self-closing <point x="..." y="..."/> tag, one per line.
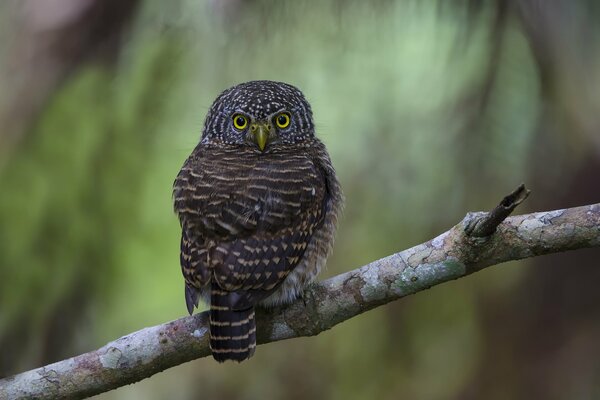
<point x="259" y="115"/>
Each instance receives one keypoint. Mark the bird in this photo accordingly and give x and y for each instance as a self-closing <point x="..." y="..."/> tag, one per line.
<point x="258" y="201"/>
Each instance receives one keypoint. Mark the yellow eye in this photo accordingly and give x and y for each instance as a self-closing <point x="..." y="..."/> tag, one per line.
<point x="240" y="122"/>
<point x="282" y="120"/>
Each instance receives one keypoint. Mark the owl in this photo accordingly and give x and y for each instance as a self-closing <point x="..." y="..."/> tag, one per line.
<point x="258" y="202"/>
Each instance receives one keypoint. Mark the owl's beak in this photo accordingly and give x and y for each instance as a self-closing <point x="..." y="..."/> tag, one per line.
<point x="260" y="134"/>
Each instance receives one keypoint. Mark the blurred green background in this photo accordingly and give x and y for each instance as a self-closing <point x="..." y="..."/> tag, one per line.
<point x="429" y="109"/>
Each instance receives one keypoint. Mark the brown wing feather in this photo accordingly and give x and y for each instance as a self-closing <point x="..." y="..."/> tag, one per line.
<point x="260" y="263"/>
<point x="249" y="219"/>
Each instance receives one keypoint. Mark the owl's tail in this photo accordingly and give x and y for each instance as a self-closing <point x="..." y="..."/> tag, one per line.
<point x="232" y="332"/>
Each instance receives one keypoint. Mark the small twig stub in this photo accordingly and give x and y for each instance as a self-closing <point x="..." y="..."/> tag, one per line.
<point x="485" y="224"/>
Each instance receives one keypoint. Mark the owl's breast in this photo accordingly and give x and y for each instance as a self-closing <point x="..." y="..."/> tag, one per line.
<point x="252" y="193"/>
<point x="279" y="191"/>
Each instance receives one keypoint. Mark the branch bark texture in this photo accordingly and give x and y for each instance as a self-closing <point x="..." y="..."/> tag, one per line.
<point x="453" y="254"/>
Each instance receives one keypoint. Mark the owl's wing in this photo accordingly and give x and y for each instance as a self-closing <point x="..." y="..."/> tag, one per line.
<point x="248" y="227"/>
<point x="286" y="209"/>
<point x="194" y="266"/>
<point x="255" y="266"/>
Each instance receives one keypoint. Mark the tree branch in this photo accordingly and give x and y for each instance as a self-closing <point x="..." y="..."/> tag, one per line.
<point x="479" y="241"/>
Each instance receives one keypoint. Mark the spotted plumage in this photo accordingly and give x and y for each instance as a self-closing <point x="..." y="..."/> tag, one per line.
<point x="258" y="202"/>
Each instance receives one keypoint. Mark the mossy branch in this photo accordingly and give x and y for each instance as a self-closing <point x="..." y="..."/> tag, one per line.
<point x="479" y="241"/>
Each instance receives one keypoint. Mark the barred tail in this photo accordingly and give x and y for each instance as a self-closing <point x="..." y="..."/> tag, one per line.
<point x="232" y="332"/>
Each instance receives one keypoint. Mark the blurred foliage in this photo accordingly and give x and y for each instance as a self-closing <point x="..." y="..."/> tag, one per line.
<point x="428" y="109"/>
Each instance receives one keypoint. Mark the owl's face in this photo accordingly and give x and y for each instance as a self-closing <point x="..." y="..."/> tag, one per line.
<point x="259" y="115"/>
